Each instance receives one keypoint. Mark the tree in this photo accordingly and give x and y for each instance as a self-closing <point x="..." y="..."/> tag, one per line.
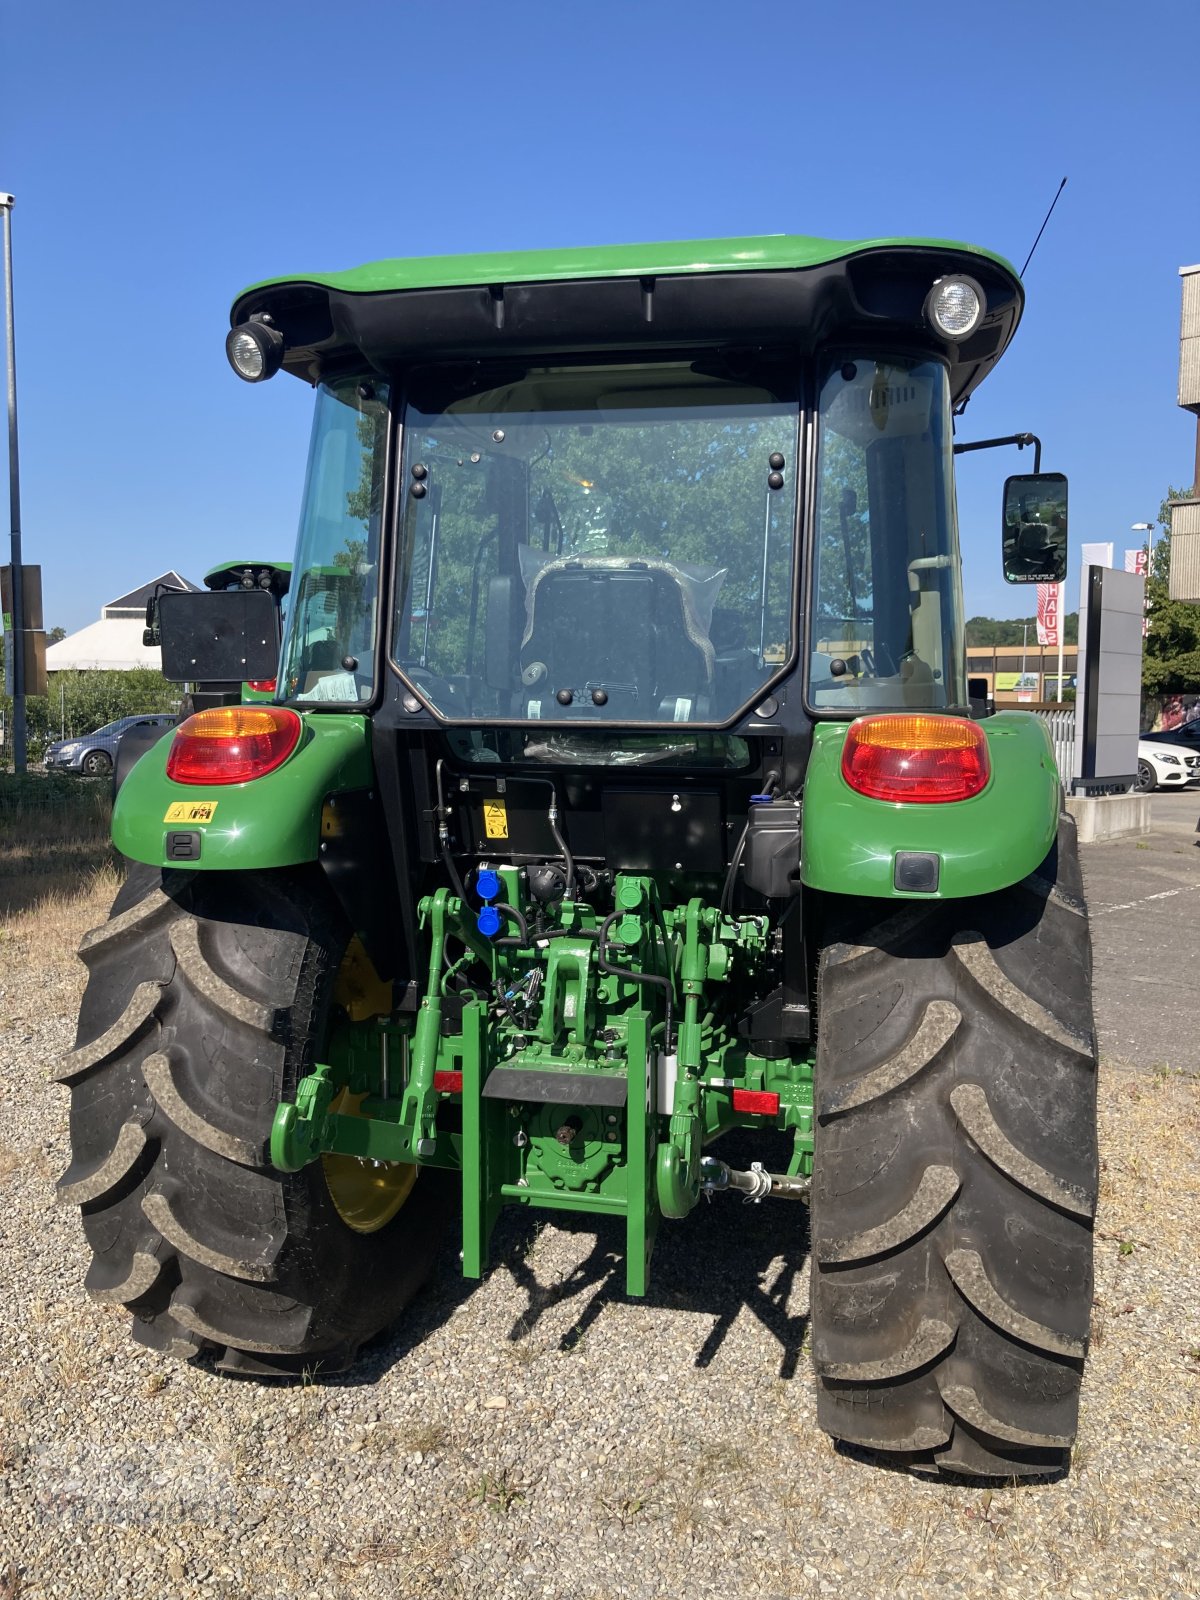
<point x="79" y="702"/>
<point x="1010" y="631"/>
<point x="1171" y="656"/>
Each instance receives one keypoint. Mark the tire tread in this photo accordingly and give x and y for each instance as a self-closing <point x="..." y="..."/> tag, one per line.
<point x="956" y="1175"/>
<point x="207" y="1000"/>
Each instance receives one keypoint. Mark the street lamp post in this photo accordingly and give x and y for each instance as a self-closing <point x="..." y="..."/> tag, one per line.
<point x="15" y="642"/>
<point x="1148" y="529"/>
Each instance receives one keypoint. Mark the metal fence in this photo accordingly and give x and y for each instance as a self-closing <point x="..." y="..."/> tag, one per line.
<point x="1061" y="727"/>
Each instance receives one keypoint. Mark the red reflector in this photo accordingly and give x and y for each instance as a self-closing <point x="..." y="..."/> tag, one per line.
<point x="261" y="685"/>
<point x="758" y="1101"/>
<point x="229" y="744"/>
<point x="448" y="1082"/>
<point x="916" y="757"/>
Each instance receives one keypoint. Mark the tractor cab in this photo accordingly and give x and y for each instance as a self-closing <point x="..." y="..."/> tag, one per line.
<point x="737" y="488"/>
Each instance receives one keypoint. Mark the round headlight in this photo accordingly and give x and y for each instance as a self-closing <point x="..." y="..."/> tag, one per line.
<point x="954" y="307"/>
<point x="255" y="350"/>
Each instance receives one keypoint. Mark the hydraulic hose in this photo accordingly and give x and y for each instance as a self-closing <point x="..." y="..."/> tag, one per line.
<point x="606" y="965"/>
<point x="731" y="875"/>
<point x="511" y="911"/>
<point x="560" y="841"/>
<point x="444" y="834"/>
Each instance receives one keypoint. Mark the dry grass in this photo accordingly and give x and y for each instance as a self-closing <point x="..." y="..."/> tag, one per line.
<point x="58" y="877"/>
<point x="412" y="1565"/>
<point x="421" y="1438"/>
<point x="60" y="916"/>
<point x="45" y="934"/>
<point x="54" y="835"/>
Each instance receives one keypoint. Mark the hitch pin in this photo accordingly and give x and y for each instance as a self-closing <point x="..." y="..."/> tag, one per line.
<point x="718" y="1178"/>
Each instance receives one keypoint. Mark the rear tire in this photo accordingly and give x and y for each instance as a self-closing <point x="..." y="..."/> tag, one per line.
<point x="955" y="1176"/>
<point x="208" y="998"/>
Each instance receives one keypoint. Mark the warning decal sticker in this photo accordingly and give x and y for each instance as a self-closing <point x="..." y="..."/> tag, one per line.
<point x="191" y="811"/>
<point x="495" y="819"/>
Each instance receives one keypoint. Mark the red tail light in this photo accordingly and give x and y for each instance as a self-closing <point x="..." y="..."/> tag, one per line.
<point x="230" y="744"/>
<point x="918" y="757"/>
<point x="261" y="685"/>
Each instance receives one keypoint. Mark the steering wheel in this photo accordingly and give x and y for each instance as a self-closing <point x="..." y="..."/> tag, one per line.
<point x="439" y="690"/>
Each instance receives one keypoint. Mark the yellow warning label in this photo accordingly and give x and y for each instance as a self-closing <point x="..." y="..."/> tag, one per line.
<point x="495" y="819"/>
<point x="191" y="811"/>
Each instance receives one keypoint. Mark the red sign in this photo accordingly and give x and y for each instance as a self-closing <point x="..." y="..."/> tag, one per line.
<point x="1048" y="595"/>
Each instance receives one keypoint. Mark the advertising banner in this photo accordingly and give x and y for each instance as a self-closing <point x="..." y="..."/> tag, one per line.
<point x="1136" y="562"/>
<point x="1022" y="684"/>
<point x="1048" y="612"/>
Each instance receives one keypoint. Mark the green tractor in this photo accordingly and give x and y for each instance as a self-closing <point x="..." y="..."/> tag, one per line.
<point x="622" y="786"/>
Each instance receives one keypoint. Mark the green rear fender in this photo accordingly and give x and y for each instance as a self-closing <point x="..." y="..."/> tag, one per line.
<point x="985" y="844"/>
<point x="273" y="821"/>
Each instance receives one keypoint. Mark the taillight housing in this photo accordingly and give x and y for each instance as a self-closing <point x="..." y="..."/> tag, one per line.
<point x="232" y="744"/>
<point x="916" y="757"/>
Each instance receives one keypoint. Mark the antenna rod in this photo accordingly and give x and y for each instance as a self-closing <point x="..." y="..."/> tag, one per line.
<point x="1042" y="229"/>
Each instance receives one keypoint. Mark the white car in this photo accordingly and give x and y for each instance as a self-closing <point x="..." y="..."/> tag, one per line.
<point x="1165" y="766"/>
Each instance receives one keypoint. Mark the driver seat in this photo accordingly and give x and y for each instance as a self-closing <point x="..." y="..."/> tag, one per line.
<point x="628" y="628"/>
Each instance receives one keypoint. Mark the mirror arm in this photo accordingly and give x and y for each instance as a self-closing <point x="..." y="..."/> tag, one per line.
<point x="1019" y="439"/>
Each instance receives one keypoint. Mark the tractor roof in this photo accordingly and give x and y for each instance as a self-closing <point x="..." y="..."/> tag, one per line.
<point x="782" y="289"/>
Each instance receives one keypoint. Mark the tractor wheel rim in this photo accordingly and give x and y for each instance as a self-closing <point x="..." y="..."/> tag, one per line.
<point x="365" y="1196"/>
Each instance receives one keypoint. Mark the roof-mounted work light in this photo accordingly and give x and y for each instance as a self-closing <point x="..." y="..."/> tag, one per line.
<point x="954" y="307"/>
<point x="255" y="349"/>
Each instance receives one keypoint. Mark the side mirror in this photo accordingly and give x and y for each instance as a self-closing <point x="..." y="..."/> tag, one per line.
<point x="1035" y="528"/>
<point x="150" y="631"/>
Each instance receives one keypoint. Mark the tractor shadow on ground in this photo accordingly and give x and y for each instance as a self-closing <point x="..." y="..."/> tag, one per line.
<point x="928" y="1472"/>
<point x="721" y="1258"/>
<point x="431" y="1307"/>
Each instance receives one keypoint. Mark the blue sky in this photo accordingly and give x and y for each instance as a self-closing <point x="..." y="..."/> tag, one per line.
<point x="163" y="157"/>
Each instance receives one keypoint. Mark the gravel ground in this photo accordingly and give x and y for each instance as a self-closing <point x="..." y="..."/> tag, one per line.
<point x="540" y="1435"/>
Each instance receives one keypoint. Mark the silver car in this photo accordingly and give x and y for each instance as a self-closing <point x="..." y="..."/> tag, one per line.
<point x="94" y="754"/>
